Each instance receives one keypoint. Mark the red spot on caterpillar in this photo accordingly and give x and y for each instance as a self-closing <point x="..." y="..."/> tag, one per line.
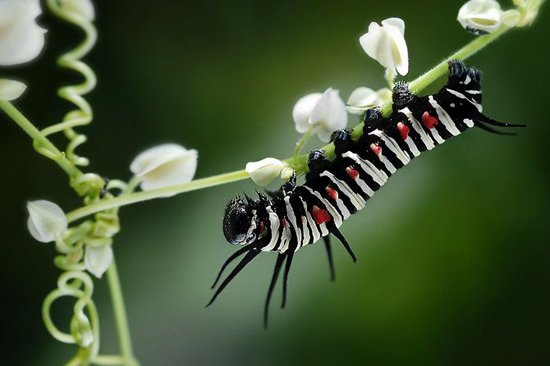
<point x="332" y="193"/>
<point x="319" y="215"/>
<point x="352" y="173"/>
<point x="429" y="121"/>
<point x="403" y="130"/>
<point x="376" y="149"/>
<point x="262" y="227"/>
<point x="283" y="222"/>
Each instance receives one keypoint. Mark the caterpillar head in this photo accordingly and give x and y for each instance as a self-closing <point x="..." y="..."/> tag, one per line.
<point x="239" y="222"/>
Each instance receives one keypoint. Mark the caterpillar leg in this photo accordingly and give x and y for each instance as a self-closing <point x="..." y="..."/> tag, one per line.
<point x="329" y="255"/>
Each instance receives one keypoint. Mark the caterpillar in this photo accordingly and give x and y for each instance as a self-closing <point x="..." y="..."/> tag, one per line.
<point x="297" y="215"/>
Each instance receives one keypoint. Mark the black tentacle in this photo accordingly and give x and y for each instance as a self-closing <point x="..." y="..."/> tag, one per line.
<point x="278" y="264"/>
<point x="288" y="264"/>
<point x="329" y="255"/>
<point x="484" y="118"/>
<point x="231" y="258"/>
<point x="252" y="253"/>
<point x="493" y="130"/>
<point x="334" y="231"/>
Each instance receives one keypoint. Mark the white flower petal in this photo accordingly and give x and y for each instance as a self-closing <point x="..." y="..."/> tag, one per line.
<point x="362" y="99"/>
<point x="386" y="44"/>
<point x="98" y="259"/>
<point x="329" y="114"/>
<point x="324" y="134"/>
<point x="400" y="52"/>
<point x="320" y="111"/>
<point x="164" y="165"/>
<point x="395" y="22"/>
<point x="302" y="110"/>
<point x="21" y="39"/>
<point x="384" y="95"/>
<point x="264" y="171"/>
<point x="11" y="89"/>
<point x="83" y="8"/>
<point x="372" y="40"/>
<point x="46" y="221"/>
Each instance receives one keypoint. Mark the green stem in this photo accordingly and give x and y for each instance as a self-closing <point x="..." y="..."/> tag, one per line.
<point x="298" y="163"/>
<point x="127" y="199"/>
<point x="120" y="316"/>
<point x="305" y="138"/>
<point x="39" y="138"/>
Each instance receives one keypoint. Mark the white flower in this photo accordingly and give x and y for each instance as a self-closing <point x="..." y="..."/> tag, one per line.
<point x="21" y="39"/>
<point x="386" y="44"/>
<point x="528" y="10"/>
<point x="47" y="221"/>
<point x="98" y="259"/>
<point x="264" y="171"/>
<point x="364" y="98"/>
<point x="480" y="16"/>
<point x="83" y="8"/>
<point x="11" y="89"/>
<point x="325" y="113"/>
<point x="164" y="165"/>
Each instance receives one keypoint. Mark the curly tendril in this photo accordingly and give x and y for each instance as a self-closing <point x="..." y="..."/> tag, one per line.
<point x="75" y="283"/>
<point x="83" y="115"/>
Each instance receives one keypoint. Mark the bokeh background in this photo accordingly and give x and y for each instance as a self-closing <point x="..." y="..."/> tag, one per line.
<point x="453" y="252"/>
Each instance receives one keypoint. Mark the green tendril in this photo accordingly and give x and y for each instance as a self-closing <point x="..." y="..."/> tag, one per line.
<point x="83" y="115"/>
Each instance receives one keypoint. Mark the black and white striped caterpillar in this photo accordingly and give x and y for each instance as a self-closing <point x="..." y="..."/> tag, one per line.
<point x="295" y="216"/>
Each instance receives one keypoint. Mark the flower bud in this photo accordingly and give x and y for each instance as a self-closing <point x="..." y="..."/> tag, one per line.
<point x="11" y="89"/>
<point x="98" y="259"/>
<point x="47" y="221"/>
<point x="264" y="171"/>
<point x="480" y="16"/>
<point x="164" y="165"/>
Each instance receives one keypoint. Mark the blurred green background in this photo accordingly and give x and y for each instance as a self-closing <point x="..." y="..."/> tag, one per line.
<point x="453" y="252"/>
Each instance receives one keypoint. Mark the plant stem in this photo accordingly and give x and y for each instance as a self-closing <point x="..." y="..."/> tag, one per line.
<point x="305" y="138"/>
<point x="127" y="199"/>
<point x="121" y="320"/>
<point x="39" y="138"/>
<point x="298" y="163"/>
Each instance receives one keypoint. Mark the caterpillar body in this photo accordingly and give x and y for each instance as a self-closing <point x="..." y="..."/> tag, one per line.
<point x="298" y="215"/>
